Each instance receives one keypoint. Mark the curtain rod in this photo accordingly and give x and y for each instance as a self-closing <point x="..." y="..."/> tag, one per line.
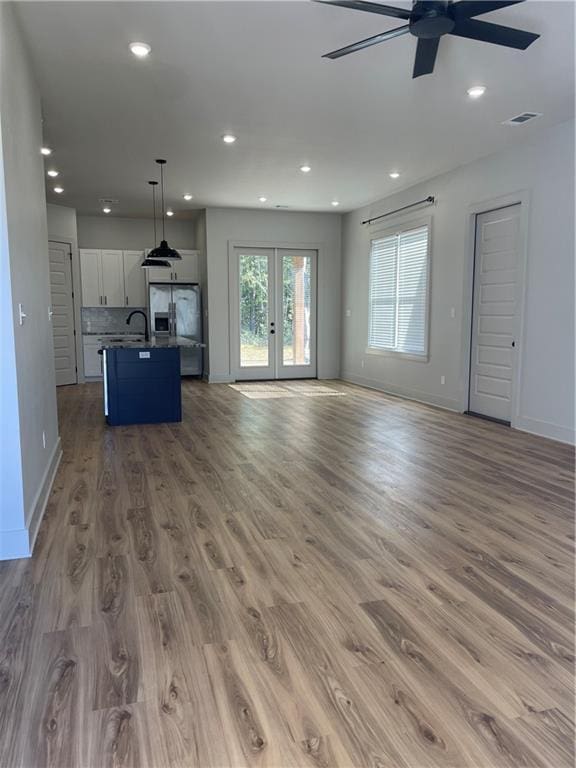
<point x="430" y="199"/>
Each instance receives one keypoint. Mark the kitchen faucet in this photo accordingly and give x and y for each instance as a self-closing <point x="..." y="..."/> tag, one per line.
<point x="139" y="312"/>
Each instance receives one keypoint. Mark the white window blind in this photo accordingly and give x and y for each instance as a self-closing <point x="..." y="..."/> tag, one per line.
<point x="399" y="292"/>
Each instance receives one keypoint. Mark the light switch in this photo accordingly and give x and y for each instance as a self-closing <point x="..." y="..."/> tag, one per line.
<point x="452" y="312"/>
<point x="348" y="313"/>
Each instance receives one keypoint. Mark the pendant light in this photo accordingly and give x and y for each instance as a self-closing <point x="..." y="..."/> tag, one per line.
<point x="148" y="263"/>
<point x="164" y="251"/>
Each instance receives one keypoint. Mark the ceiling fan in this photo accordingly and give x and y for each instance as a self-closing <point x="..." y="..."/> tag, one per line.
<point x="429" y="20"/>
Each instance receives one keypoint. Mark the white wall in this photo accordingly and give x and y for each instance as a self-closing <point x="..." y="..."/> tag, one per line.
<point x="543" y="169"/>
<point x="131" y="234"/>
<point x="225" y="225"/>
<point x="29" y="345"/>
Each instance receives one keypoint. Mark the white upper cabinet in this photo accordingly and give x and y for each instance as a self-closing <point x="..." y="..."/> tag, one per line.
<point x="134" y="279"/>
<point x="186" y="271"/>
<point x="112" y="279"/>
<point x="90" y="270"/>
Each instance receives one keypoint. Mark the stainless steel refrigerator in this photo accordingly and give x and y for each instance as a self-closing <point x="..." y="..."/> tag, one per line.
<point x="176" y="310"/>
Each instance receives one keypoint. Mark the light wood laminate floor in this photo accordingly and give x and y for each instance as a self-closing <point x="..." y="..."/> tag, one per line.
<point x="311" y="574"/>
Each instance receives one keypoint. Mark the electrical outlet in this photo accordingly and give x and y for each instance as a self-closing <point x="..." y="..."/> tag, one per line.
<point x="362" y="363"/>
<point x="452" y="312"/>
<point x="348" y="313"/>
<point x="442" y="379"/>
<point x="43" y="439"/>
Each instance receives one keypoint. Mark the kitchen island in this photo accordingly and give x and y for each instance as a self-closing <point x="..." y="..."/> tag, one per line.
<point x="142" y="380"/>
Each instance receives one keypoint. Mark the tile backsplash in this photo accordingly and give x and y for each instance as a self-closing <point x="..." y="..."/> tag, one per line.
<point x="111" y="320"/>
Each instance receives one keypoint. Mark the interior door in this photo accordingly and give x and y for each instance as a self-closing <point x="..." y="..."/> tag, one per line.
<point x="253" y="326"/>
<point x="62" y="313"/>
<point x="494" y="321"/>
<point x="273" y="313"/>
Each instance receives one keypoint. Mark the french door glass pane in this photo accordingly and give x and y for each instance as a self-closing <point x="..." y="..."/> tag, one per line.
<point x="296" y="307"/>
<point x="254" y="310"/>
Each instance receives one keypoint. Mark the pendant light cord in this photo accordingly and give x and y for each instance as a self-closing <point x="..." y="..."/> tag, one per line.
<point x="162" y="185"/>
<point x="154" y="210"/>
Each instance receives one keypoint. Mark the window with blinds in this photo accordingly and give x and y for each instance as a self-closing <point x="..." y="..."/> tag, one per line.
<point x="399" y="292"/>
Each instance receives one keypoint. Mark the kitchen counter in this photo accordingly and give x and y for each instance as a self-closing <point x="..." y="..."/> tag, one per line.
<point x="156" y="342"/>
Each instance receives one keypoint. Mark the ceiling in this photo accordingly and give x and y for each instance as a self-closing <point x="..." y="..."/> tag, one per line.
<point x="255" y="69"/>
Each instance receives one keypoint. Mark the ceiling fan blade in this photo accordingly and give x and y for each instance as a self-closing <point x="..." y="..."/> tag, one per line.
<point x="367" y="43"/>
<point x="464" y="9"/>
<point x="426" y="51"/>
<point x="364" y="5"/>
<point x="494" y="33"/>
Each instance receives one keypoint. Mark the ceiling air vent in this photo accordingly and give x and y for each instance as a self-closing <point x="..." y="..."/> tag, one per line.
<point x="525" y="117"/>
<point x="108" y="200"/>
<point x="281" y="206"/>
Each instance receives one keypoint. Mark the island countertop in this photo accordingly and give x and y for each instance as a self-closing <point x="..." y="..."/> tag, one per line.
<point x="156" y="342"/>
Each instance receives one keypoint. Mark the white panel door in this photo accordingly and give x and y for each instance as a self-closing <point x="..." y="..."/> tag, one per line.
<point x="134" y="279"/>
<point x="186" y="271"/>
<point x="112" y="278"/>
<point x="90" y="277"/>
<point x="494" y="313"/>
<point x="62" y="313"/>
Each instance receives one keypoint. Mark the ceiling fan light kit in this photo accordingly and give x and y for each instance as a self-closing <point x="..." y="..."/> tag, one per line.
<point x="429" y="20"/>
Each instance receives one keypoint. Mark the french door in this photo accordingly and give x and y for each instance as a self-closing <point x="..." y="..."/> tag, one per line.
<point x="273" y="313"/>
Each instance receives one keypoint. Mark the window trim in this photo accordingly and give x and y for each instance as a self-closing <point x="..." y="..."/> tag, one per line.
<point x="378" y="233"/>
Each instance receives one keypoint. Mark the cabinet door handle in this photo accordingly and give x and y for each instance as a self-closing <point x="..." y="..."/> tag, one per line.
<point x="101" y="302"/>
<point x="175" y="275"/>
<point x="126" y="300"/>
<point x="105" y="299"/>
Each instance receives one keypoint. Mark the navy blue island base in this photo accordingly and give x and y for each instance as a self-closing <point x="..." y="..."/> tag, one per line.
<point x="142" y="385"/>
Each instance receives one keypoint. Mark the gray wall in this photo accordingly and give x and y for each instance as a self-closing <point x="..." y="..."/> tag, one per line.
<point x="30" y="344"/>
<point x="224" y="225"/>
<point x="124" y="234"/>
<point x="545" y="171"/>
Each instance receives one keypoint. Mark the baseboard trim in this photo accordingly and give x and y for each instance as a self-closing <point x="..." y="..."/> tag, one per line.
<point x="419" y="397"/>
<point x="220" y="378"/>
<point x="41" y="500"/>
<point x="546" y="429"/>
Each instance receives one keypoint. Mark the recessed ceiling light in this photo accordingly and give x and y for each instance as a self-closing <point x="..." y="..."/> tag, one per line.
<point x="169" y="212"/>
<point x="228" y="138"/>
<point x="188" y="196"/>
<point x="262" y="199"/>
<point x="46" y="151"/>
<point x="305" y="168"/>
<point x="106" y="209"/>
<point x="141" y="50"/>
<point x="335" y="203"/>
<point x="58" y="190"/>
<point x="476" y="91"/>
<point x="394" y="175"/>
<point x="52" y="173"/>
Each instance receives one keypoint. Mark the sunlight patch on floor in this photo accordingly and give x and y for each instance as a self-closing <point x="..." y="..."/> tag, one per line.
<point x="277" y="390"/>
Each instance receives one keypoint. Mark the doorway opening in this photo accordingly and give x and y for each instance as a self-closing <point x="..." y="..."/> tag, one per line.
<point x="495" y="313"/>
<point x="273" y="313"/>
